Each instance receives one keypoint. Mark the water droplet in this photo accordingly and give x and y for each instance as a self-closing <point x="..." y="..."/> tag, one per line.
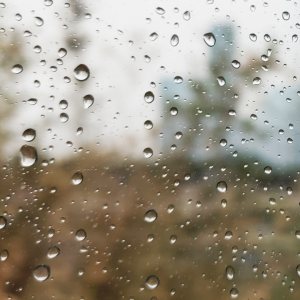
<point x="80" y="235"/>
<point x="48" y="2"/>
<point x="253" y="37"/>
<point x="148" y="152"/>
<point x="228" y="235"/>
<point x="152" y="282"/>
<point x="41" y="272"/>
<point x="256" y="80"/>
<point x="173" y="239"/>
<point x="27" y="33"/>
<point x="174" y="111"/>
<point x="51" y="233"/>
<point x="253" y="117"/>
<point x="53" y="251"/>
<point x="252" y="7"/>
<point x="223" y="142"/>
<point x="17" y="69"/>
<point x="222" y="186"/>
<point x="4" y="255"/>
<point x="88" y="101"/>
<point x="153" y="36"/>
<point x="79" y="131"/>
<point x="63" y="104"/>
<point x="285" y="15"/>
<point x="77" y="178"/>
<point x="294" y="38"/>
<point x="150" y="216"/>
<point x="232" y="112"/>
<point x="234" y="293"/>
<point x="62" y="52"/>
<point x="221" y="81"/>
<point x="32" y="101"/>
<point x="297" y="233"/>
<point x="267" y="38"/>
<point x="29" y="135"/>
<point x="224" y="202"/>
<point x="187" y="15"/>
<point x="64" y="117"/>
<point x="39" y="21"/>
<point x="80" y="271"/>
<point x="81" y="72"/>
<point x="150" y="238"/>
<point x="160" y="10"/>
<point x="28" y="156"/>
<point x="209" y="39"/>
<point x="174" y="40"/>
<point x="171" y="208"/>
<point x="148" y="124"/>
<point x="3" y="222"/>
<point x="149" y="97"/>
<point x="178" y="135"/>
<point x="18" y="17"/>
<point x="268" y="170"/>
<point x="178" y="79"/>
<point x="230" y="272"/>
<point x="236" y="64"/>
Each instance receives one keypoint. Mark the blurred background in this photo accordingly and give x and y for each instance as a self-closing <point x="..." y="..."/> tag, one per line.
<point x="145" y="139"/>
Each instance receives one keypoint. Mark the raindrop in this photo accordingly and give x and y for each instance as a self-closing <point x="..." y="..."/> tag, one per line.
<point x="228" y="235"/>
<point x="79" y="131"/>
<point x="178" y="79"/>
<point x="224" y="202"/>
<point x="51" y="233"/>
<point x="41" y="272"/>
<point x="80" y="235"/>
<point x="17" y="69"/>
<point x="174" y="111"/>
<point x="150" y="216"/>
<point x="285" y="15"/>
<point x="234" y="293"/>
<point x="80" y="271"/>
<point x="178" y="135"/>
<point x="3" y="222"/>
<point x="37" y="49"/>
<point x="171" y="208"/>
<point x="160" y="10"/>
<point x="253" y="117"/>
<point x="62" y="52"/>
<point x="152" y="282"/>
<point x="39" y="21"/>
<point x="149" y="97"/>
<point x="81" y="72"/>
<point x="174" y="40"/>
<point x="150" y="238"/>
<point x="209" y="39"/>
<point x="230" y="272"/>
<point x="223" y="142"/>
<point x="294" y="38"/>
<point x="28" y="156"/>
<point x="253" y="37"/>
<point x="187" y="15"/>
<point x="4" y="255"/>
<point x="222" y="186"/>
<point x="297" y="233"/>
<point x="267" y="38"/>
<point x="77" y="178"/>
<point x="268" y="170"/>
<point x="29" y="135"/>
<point x="256" y="80"/>
<point x="221" y="80"/>
<point x="18" y="17"/>
<point x="252" y="7"/>
<point x="64" y="117"/>
<point x="53" y="251"/>
<point x="272" y="201"/>
<point x="173" y="239"/>
<point x="88" y="101"/>
<point x="27" y="33"/>
<point x="148" y="124"/>
<point x="298" y="270"/>
<point x="236" y="64"/>
<point x="63" y="104"/>
<point x="153" y="36"/>
<point x="48" y="2"/>
<point x="148" y="152"/>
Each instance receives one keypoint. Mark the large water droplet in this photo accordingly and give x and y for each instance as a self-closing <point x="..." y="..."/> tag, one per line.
<point x="223" y="142"/>
<point x="62" y="52"/>
<point x="80" y="235"/>
<point x="236" y="64"/>
<point x="152" y="282"/>
<point x="88" y="101"/>
<point x="174" y="111"/>
<point x="148" y="152"/>
<point x="253" y="37"/>
<point x="267" y="38"/>
<point x="28" y="156"/>
<point x="178" y="79"/>
<point x="228" y="235"/>
<point x="77" y="178"/>
<point x="148" y="124"/>
<point x="297" y="234"/>
<point x="81" y="72"/>
<point x="63" y="104"/>
<point x="3" y="222"/>
<point x="234" y="293"/>
<point x="29" y="135"/>
<point x="32" y="101"/>
<point x="53" y="251"/>
<point x="41" y="272"/>
<point x="221" y="81"/>
<point x="48" y="2"/>
<point x="256" y="80"/>
<point x="230" y="272"/>
<point x="17" y="69"/>
<point x="294" y="38"/>
<point x="209" y="39"/>
<point x="160" y="10"/>
<point x="285" y="15"/>
<point x="153" y="36"/>
<point x="174" y="40"/>
<point x="187" y="15"/>
<point x="149" y="97"/>
<point x="222" y="186"/>
<point x="4" y="255"/>
<point x="268" y="170"/>
<point x="39" y="21"/>
<point x="150" y="216"/>
<point x="173" y="239"/>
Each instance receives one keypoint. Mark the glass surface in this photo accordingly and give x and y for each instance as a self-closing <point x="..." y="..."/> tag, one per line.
<point x="149" y="150"/>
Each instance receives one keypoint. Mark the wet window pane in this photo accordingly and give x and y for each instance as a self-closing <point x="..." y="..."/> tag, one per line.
<point x="149" y="150"/>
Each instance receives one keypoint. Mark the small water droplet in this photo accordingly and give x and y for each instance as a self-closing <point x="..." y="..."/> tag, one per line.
<point x="171" y="208"/>
<point x="53" y="251"/>
<point x="28" y="156"/>
<point x="80" y="235"/>
<point x="173" y="239"/>
<point x="79" y="131"/>
<point x="41" y="272"/>
<point x="63" y="104"/>
<point x="268" y="170"/>
<point x="174" y="111"/>
<point x="222" y="186"/>
<point x="252" y="7"/>
<point x="150" y="238"/>
<point x="88" y="101"/>
<point x="253" y="117"/>
<point x="77" y="178"/>
<point x="285" y="15"/>
<point x="228" y="235"/>
<point x="224" y="202"/>
<point x="174" y="40"/>
<point x="29" y="135"/>
<point x="16" y="69"/>
<point x="253" y="37"/>
<point x="62" y="52"/>
<point x="18" y="17"/>
<point x="160" y="10"/>
<point x="150" y="216"/>
<point x="178" y="135"/>
<point x="148" y="124"/>
<point x="153" y="36"/>
<point x="223" y="142"/>
<point x="81" y="72"/>
<point x="39" y="21"/>
<point x="267" y="38"/>
<point x="256" y="80"/>
<point x="236" y="64"/>
<point x="187" y="15"/>
<point x="221" y="81"/>
<point x="48" y="2"/>
<point x="230" y="272"/>
<point x="294" y="38"/>
<point x="209" y="39"/>
<point x="149" y="97"/>
<point x="152" y="282"/>
<point x="234" y="293"/>
<point x="178" y="79"/>
<point x="64" y="117"/>
<point x="148" y="152"/>
<point x="3" y="222"/>
<point x="4" y="255"/>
